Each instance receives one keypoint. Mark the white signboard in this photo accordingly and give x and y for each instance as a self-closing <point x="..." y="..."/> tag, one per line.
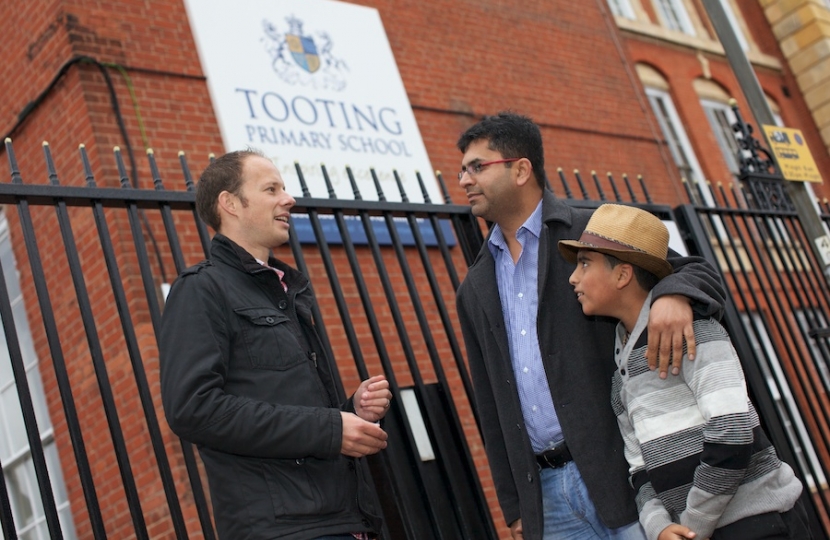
<point x="312" y="81"/>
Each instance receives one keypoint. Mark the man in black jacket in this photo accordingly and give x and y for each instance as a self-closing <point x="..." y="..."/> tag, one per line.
<point x="245" y="377"/>
<point x="541" y="370"/>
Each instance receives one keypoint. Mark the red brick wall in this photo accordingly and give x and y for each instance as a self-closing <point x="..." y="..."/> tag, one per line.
<point x="681" y="66"/>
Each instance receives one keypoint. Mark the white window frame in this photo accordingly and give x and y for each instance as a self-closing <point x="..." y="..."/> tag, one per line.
<point x="623" y="8"/>
<point x="15" y="455"/>
<point x="674" y="16"/>
<point x="721" y="117"/>
<point x="675" y="134"/>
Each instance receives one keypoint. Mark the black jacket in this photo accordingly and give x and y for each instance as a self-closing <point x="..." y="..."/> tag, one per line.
<point x="245" y="377"/>
<point x="577" y="352"/>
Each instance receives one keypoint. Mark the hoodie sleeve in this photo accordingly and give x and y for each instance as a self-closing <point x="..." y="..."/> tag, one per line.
<point x="697" y="280"/>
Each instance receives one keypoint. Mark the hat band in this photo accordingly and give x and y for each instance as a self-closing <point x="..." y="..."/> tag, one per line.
<point x="596" y="240"/>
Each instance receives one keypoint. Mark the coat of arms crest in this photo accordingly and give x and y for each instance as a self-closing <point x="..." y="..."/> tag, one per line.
<point x="297" y="58"/>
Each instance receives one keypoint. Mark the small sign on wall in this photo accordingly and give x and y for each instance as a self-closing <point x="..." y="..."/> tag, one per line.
<point x="311" y="81"/>
<point x="792" y="154"/>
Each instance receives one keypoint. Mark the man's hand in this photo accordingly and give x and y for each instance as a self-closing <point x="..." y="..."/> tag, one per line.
<point x="372" y="398"/>
<point x="516" y="530"/>
<point x="676" y="531"/>
<point x="360" y="438"/>
<point x="669" y="323"/>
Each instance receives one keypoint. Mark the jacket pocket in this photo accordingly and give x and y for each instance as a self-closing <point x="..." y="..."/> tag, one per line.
<point x="269" y="338"/>
<point x="311" y="486"/>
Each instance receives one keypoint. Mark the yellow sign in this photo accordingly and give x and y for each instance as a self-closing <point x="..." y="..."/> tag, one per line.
<point x="792" y="154"/>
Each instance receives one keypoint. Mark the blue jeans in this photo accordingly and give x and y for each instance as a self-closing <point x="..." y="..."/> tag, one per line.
<point x="569" y="513"/>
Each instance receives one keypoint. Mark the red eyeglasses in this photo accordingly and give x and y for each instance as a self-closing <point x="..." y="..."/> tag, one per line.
<point x="475" y="168"/>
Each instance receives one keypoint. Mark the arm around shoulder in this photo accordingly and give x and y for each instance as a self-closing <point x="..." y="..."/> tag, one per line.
<point x="698" y="281"/>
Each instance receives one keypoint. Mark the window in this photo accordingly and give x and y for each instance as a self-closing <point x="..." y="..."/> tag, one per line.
<point x="721" y="119"/>
<point x="675" y="135"/>
<point x="657" y="91"/>
<point x="674" y="16"/>
<point x="18" y="468"/>
<point x="622" y="8"/>
<point x="715" y="102"/>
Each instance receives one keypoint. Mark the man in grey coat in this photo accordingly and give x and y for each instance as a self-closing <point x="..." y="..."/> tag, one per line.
<point x="541" y="370"/>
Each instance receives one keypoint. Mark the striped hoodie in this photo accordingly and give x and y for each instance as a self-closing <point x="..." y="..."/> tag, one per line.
<point x="696" y="451"/>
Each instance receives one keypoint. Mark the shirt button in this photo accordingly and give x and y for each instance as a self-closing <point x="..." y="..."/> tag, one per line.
<point x="300" y="461"/>
<point x="525" y="370"/>
<point x="521" y="295"/>
<point x="534" y="408"/>
<point x="269" y="320"/>
<point x="618" y="350"/>
<point x="530" y="478"/>
<point x="622" y="372"/>
<point x="283" y="304"/>
<point x="524" y="332"/>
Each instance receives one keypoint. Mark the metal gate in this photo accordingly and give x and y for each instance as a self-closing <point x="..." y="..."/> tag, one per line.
<point x="777" y="317"/>
<point x="96" y="261"/>
<point x="385" y="274"/>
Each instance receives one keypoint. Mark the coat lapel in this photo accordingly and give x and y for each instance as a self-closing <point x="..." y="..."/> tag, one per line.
<point x="482" y="276"/>
<point x="552" y="210"/>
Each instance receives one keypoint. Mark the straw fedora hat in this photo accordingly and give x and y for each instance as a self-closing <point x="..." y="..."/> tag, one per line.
<point x="627" y="233"/>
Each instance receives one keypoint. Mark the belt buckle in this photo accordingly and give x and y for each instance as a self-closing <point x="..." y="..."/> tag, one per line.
<point x="555" y="456"/>
<point x="553" y="464"/>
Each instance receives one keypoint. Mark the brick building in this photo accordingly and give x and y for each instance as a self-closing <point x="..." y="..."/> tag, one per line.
<point x="627" y="86"/>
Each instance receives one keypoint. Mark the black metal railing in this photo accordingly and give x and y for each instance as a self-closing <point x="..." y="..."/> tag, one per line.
<point x="385" y="274"/>
<point x="413" y="490"/>
<point x="404" y="284"/>
<point x="777" y="316"/>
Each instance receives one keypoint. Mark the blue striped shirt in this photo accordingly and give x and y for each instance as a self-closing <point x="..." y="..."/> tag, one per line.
<point x="519" y="304"/>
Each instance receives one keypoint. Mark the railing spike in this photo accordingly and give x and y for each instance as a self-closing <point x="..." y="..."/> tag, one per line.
<point x="122" y="170"/>
<point x="50" y="164"/>
<point x="568" y="193"/>
<point x="600" y="191"/>
<point x="301" y="178"/>
<point x="611" y="181"/>
<point x="90" y="178"/>
<point x="154" y="170"/>
<point x="353" y="182"/>
<point x="378" y="188"/>
<point x="327" y="180"/>
<point x="188" y="177"/>
<point x="423" y="187"/>
<point x="14" y="168"/>
<point x="443" y="185"/>
<point x="404" y="197"/>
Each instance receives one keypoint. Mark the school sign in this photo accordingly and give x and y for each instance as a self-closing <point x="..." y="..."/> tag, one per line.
<point x="311" y="81"/>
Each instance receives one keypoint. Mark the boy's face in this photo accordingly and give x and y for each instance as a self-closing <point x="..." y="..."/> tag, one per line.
<point x="594" y="282"/>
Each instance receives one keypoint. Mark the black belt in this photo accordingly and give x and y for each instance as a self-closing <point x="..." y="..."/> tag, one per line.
<point x="554" y="458"/>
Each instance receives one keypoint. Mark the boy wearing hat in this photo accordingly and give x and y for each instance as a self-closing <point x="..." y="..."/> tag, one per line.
<point x="699" y="461"/>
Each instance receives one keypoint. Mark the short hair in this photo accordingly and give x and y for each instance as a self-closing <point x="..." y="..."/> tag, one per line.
<point x="224" y="174"/>
<point x="644" y="278"/>
<point x="513" y="136"/>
